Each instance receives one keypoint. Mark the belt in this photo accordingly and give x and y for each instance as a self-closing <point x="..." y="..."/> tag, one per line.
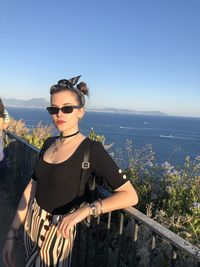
<point x="45" y="215"/>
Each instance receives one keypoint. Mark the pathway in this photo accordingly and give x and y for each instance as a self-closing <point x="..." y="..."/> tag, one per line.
<point x="7" y="211"/>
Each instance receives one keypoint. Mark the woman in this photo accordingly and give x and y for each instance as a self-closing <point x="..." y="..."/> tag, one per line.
<point x="4" y="122"/>
<point x="2" y="126"/>
<point x="50" y="207"/>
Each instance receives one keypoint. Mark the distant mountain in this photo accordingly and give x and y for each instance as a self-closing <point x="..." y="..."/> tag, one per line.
<point x="127" y="111"/>
<point x="43" y="103"/>
<point x="31" y="103"/>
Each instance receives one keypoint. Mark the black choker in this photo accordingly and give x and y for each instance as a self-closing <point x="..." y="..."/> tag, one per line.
<point x="67" y="136"/>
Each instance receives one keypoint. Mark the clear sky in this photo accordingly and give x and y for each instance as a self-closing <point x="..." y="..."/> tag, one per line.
<point x="142" y="55"/>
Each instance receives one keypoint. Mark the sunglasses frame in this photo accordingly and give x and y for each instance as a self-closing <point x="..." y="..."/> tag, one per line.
<point x="63" y="109"/>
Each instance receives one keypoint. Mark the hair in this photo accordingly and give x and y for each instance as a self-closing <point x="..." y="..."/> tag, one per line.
<point x="80" y="90"/>
<point x="2" y="115"/>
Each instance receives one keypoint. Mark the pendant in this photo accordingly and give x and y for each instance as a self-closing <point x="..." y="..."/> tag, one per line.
<point x="56" y="146"/>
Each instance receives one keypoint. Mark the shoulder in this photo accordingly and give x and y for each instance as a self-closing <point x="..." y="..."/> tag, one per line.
<point x="96" y="145"/>
<point x="47" y="143"/>
<point x="49" y="140"/>
<point x="98" y="150"/>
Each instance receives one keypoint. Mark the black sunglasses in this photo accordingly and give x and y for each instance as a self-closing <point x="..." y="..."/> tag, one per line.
<point x="64" y="109"/>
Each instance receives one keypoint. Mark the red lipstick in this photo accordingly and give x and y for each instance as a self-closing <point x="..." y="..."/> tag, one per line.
<point x="60" y="122"/>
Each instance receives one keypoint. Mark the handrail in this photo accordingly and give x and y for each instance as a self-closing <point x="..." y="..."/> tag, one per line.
<point x="161" y="230"/>
<point x="155" y="227"/>
<point x="22" y="140"/>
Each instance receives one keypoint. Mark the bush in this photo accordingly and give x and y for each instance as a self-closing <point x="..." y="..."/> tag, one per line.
<point x="170" y="195"/>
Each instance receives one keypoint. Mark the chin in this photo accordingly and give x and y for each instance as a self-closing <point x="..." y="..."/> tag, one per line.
<point x="60" y="127"/>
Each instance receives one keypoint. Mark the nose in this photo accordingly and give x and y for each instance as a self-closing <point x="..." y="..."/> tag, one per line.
<point x="60" y="113"/>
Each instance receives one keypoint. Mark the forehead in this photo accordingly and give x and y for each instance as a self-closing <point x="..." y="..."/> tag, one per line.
<point x="63" y="97"/>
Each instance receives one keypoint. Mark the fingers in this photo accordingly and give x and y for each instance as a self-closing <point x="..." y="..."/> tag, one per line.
<point x="65" y="228"/>
<point x="7" y="258"/>
<point x="7" y="254"/>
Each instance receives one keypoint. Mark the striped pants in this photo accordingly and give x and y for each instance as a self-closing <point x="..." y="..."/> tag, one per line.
<point x="43" y="247"/>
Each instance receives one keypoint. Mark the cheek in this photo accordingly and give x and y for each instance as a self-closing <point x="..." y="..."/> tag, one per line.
<point x="53" y="117"/>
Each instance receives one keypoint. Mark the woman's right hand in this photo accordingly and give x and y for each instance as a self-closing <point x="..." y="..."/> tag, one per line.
<point x="7" y="253"/>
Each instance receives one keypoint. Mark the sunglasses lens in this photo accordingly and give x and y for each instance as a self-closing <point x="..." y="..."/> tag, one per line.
<point x="67" y="109"/>
<point x="53" y="110"/>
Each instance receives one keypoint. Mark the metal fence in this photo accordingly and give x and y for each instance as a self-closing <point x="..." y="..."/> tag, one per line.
<point x="120" y="238"/>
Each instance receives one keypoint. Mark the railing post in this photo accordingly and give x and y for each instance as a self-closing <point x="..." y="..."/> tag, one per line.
<point x="153" y="245"/>
<point x="97" y="241"/>
<point x="106" y="263"/>
<point x="121" y="226"/>
<point x="173" y="256"/>
<point x="135" y="240"/>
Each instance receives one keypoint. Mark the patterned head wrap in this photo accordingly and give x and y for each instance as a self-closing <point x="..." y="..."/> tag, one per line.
<point x="69" y="84"/>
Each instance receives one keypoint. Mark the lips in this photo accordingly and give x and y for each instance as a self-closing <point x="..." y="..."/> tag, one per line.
<point x="60" y="122"/>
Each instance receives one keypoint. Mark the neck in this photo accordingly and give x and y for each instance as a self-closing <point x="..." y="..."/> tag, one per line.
<point x="70" y="135"/>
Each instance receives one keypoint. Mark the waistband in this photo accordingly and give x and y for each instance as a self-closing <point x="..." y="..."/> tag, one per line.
<point x="45" y="215"/>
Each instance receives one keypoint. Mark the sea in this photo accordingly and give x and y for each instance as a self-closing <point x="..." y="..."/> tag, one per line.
<point x="172" y="138"/>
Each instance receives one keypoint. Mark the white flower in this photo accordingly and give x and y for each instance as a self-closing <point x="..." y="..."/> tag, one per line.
<point x="196" y="205"/>
<point x="168" y="189"/>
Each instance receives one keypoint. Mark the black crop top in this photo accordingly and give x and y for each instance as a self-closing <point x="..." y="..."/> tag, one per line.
<point x="58" y="184"/>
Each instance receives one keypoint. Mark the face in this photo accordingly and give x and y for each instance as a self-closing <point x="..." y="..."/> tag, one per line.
<point x="66" y="123"/>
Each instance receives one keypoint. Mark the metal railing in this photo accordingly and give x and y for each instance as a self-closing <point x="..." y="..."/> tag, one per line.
<point x="120" y="238"/>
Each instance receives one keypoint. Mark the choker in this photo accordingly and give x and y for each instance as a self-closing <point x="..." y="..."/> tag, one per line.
<point x="67" y="136"/>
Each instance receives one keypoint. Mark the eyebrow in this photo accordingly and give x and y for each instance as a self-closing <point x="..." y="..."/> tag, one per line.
<point x="63" y="104"/>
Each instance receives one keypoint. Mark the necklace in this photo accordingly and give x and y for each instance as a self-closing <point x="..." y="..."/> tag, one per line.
<point x="67" y="136"/>
<point x="60" y="140"/>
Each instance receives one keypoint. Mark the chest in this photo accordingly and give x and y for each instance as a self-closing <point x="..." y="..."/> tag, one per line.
<point x="58" y="152"/>
<point x="60" y="175"/>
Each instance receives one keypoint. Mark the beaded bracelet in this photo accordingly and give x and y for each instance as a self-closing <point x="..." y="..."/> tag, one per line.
<point x="15" y="234"/>
<point x="93" y="209"/>
<point x="101" y="210"/>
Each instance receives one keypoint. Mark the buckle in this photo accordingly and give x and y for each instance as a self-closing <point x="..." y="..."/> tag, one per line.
<point x="56" y="219"/>
<point x="85" y="165"/>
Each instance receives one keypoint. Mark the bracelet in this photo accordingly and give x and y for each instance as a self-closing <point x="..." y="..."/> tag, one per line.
<point x="92" y="212"/>
<point x="93" y="209"/>
<point x="101" y="210"/>
<point x="15" y="232"/>
<point x="88" y="218"/>
<point x="11" y="238"/>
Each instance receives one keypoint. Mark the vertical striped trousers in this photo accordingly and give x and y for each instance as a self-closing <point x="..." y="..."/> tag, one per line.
<point x="43" y="247"/>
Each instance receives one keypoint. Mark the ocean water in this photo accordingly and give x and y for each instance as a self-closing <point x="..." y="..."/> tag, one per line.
<point x="172" y="138"/>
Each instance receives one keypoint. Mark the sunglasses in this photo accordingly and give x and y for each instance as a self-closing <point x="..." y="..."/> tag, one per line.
<point x="64" y="109"/>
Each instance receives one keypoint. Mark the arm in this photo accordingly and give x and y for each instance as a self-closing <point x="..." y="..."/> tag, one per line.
<point x="20" y="214"/>
<point x="6" y="120"/>
<point x="123" y="197"/>
<point x="1" y="123"/>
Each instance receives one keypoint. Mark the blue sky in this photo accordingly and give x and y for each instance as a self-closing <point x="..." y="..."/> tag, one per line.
<point x="142" y="55"/>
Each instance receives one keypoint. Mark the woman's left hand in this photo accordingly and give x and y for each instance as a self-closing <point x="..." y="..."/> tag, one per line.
<point x="70" y="220"/>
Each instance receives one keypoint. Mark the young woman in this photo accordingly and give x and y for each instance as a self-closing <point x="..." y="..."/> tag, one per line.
<point x="50" y="206"/>
<point x="4" y="121"/>
<point x="2" y="116"/>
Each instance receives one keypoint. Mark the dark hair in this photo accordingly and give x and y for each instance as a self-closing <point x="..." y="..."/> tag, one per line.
<point x="2" y="115"/>
<point x="80" y="90"/>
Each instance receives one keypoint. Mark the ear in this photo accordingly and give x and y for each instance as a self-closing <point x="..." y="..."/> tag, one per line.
<point x="81" y="113"/>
